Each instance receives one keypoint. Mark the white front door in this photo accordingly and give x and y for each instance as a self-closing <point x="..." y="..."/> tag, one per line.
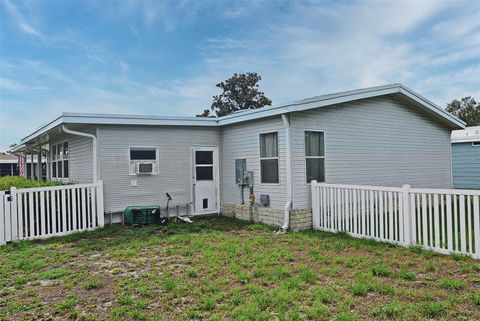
<point x="205" y="180"/>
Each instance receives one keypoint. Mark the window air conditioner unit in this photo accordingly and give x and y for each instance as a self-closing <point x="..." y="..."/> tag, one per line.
<point x="144" y="168"/>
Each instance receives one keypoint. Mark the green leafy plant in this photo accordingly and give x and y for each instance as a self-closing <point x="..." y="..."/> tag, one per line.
<point x="21" y="182"/>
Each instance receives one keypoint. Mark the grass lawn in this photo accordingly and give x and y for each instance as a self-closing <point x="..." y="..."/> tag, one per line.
<point x="219" y="268"/>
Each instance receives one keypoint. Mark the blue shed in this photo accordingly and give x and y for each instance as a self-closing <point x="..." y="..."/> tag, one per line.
<point x="466" y="158"/>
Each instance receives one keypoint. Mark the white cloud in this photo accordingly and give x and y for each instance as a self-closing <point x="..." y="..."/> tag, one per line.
<point x="316" y="49"/>
<point x="20" y="20"/>
<point x="7" y="84"/>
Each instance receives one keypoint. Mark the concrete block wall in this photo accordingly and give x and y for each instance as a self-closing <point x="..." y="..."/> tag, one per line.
<point x="299" y="219"/>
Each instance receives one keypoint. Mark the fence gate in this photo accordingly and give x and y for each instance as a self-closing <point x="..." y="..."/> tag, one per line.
<point x="442" y="220"/>
<point x="35" y="213"/>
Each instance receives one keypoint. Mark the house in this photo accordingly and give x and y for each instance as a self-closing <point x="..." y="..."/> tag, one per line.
<point x="466" y="158"/>
<point x="9" y="166"/>
<point x="386" y="135"/>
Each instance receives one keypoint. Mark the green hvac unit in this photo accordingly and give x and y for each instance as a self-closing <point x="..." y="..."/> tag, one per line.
<point x="143" y="215"/>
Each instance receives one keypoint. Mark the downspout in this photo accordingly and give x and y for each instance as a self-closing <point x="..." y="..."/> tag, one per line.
<point x="94" y="145"/>
<point x="288" y="156"/>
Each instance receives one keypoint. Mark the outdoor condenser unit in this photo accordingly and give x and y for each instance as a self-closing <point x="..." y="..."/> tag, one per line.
<point x="144" y="215"/>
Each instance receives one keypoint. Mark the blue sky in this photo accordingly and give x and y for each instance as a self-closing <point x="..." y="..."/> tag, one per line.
<point x="165" y="57"/>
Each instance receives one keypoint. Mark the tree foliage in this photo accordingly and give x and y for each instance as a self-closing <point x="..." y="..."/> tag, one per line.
<point x="467" y="109"/>
<point x="239" y="92"/>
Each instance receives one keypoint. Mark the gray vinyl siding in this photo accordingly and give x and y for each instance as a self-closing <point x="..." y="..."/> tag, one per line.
<point x="80" y="160"/>
<point x="379" y="141"/>
<point x="242" y="141"/>
<point x="466" y="165"/>
<point x="174" y="174"/>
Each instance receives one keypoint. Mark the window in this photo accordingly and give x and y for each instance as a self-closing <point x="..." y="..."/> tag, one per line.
<point x="476" y="144"/>
<point x="269" y="158"/>
<point x="143" y="160"/>
<point x="204" y="165"/>
<point x="60" y="154"/>
<point x="315" y="156"/>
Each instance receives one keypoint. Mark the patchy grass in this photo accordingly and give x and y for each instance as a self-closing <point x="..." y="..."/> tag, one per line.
<point x="219" y="268"/>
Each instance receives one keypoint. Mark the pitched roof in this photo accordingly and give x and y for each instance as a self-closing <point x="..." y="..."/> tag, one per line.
<point x="8" y="158"/>
<point x="300" y="105"/>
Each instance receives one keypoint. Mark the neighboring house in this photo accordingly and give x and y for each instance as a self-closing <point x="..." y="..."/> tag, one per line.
<point x="9" y="166"/>
<point x="385" y="135"/>
<point x="466" y="158"/>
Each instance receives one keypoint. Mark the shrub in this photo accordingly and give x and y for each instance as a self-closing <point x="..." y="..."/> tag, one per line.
<point x="21" y="182"/>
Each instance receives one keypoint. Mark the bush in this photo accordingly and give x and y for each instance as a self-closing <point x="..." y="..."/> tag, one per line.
<point x="20" y="182"/>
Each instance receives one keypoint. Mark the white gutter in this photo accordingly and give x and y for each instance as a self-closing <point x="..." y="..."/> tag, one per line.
<point x="288" y="152"/>
<point x="94" y="145"/>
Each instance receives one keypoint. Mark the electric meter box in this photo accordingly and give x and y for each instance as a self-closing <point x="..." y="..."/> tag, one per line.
<point x="248" y="178"/>
<point x="240" y="168"/>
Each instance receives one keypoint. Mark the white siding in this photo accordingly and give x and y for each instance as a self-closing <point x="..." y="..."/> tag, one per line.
<point x="174" y="175"/>
<point x="378" y="141"/>
<point x="242" y="141"/>
<point x="80" y="160"/>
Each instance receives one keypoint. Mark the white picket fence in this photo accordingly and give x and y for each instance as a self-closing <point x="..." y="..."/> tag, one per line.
<point x="35" y="213"/>
<point x="443" y="220"/>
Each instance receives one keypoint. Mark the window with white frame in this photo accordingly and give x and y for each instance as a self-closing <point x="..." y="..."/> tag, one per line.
<point x="476" y="144"/>
<point x="59" y="155"/>
<point x="269" y="158"/>
<point x="315" y="156"/>
<point x="143" y="160"/>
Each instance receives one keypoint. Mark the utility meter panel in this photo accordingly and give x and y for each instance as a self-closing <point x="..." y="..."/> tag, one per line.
<point x="248" y="180"/>
<point x="240" y="168"/>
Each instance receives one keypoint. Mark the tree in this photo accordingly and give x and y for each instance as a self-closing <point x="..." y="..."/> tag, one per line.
<point x="467" y="109"/>
<point x="239" y="92"/>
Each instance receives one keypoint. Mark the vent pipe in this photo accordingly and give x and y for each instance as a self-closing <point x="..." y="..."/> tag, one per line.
<point x="288" y="156"/>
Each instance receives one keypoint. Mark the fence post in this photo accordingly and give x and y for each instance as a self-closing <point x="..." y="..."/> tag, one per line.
<point x="13" y="213"/>
<point x="100" y="209"/>
<point x="315" y="211"/>
<point x="407" y="216"/>
<point x="2" y="217"/>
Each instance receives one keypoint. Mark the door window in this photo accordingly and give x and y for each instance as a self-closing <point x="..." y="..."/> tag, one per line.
<point x="204" y="165"/>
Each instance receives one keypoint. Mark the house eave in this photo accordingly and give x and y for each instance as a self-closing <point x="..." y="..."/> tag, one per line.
<point x="297" y="106"/>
